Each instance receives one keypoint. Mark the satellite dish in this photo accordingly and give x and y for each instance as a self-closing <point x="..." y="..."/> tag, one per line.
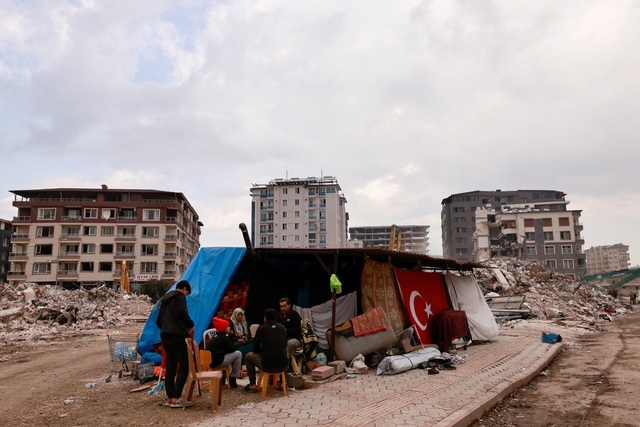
<point x="106" y="214"/>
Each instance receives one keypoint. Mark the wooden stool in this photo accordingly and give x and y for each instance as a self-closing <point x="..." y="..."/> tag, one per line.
<point x="264" y="377"/>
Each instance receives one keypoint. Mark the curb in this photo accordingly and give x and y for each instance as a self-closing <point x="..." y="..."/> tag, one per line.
<point x="474" y="411"/>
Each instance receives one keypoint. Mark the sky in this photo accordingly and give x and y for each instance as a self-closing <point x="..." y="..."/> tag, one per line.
<point x="405" y="103"/>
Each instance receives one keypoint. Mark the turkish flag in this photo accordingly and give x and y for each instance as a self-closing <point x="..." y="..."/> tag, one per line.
<point x="424" y="296"/>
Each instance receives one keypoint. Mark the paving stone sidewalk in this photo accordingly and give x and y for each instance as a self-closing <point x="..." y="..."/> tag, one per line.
<point x="451" y="398"/>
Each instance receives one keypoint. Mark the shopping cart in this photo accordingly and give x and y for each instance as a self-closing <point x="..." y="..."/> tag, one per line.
<point x="123" y="350"/>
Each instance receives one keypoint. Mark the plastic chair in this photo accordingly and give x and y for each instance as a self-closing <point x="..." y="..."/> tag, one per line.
<point x="265" y="377"/>
<point x="207" y="335"/>
<point x="196" y="374"/>
<point x="205" y="358"/>
<point x="253" y="328"/>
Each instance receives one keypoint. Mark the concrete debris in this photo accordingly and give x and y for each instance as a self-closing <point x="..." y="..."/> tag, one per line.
<point x="551" y="295"/>
<point x="30" y="312"/>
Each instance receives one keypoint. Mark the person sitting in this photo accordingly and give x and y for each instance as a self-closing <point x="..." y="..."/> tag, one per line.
<point x="241" y="333"/>
<point x="292" y="323"/>
<point x="269" y="349"/>
<point x="223" y="352"/>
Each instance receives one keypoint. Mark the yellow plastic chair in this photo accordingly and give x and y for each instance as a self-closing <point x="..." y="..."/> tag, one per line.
<point x="196" y="374"/>
<point x="265" y="377"/>
<point x="205" y="358"/>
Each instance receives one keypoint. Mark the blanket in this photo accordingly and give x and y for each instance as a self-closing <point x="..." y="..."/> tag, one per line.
<point x="368" y="323"/>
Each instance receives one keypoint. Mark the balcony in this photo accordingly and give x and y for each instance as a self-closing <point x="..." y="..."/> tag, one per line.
<point x="69" y="255"/>
<point x="172" y="219"/>
<point x="120" y="255"/>
<point x="15" y="275"/>
<point x="19" y="237"/>
<point x="267" y="208"/>
<point x="169" y="237"/>
<point x="21" y="218"/>
<point x="127" y="218"/>
<point x="125" y="238"/>
<point x="67" y="273"/>
<point x="71" y="237"/>
<point x="71" y="218"/>
<point x="18" y="256"/>
<point x="169" y="255"/>
<point x="168" y="273"/>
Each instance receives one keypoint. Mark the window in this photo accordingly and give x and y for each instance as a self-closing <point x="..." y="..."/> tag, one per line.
<point x="296" y="202"/>
<point x="549" y="250"/>
<point x="567" y="264"/>
<point x="323" y="203"/>
<point x="565" y="235"/>
<point x="86" y="266"/>
<point x="529" y="236"/>
<point x="108" y="213"/>
<point x="88" y="248"/>
<point x="150" y="231"/>
<point x="546" y="222"/>
<point x="285" y="190"/>
<point x="106" y="249"/>
<point x="461" y="251"/>
<point x="151" y="214"/>
<point x="548" y="235"/>
<point x="41" y="268"/>
<point x="528" y="222"/>
<point x="71" y="249"/>
<point x="296" y="226"/>
<point x="460" y="219"/>
<point x="284" y="238"/>
<point x="563" y="221"/>
<point x="105" y="266"/>
<point x="567" y="249"/>
<point x="89" y="230"/>
<point x="43" y="249"/>
<point x="460" y="229"/>
<point x="296" y="214"/>
<point x="44" y="232"/>
<point x="127" y="232"/>
<point x="461" y="240"/>
<point x="323" y="227"/>
<point x="323" y="239"/>
<point x="284" y="203"/>
<point x="284" y="214"/>
<point x="458" y="209"/>
<point x="296" y="238"/>
<point x="148" y="267"/>
<point x="91" y="212"/>
<point x="149" y="249"/>
<point x="297" y="191"/>
<point x="126" y="250"/>
<point x="531" y="250"/>
<point x="551" y="264"/>
<point x="284" y="226"/>
<point x="71" y="232"/>
<point x="46" y="213"/>
<point x="106" y="230"/>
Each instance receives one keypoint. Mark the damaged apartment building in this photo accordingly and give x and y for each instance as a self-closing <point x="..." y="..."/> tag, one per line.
<point x="528" y="231"/>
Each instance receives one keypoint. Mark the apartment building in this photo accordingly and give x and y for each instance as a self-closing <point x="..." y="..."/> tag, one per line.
<point x="413" y="238"/>
<point x="551" y="237"/>
<point x="5" y="248"/>
<point x="607" y="258"/>
<point x="299" y="213"/>
<point x="458" y="214"/>
<point x="77" y="236"/>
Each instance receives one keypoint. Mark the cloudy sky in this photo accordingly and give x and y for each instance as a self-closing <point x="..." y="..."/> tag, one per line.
<point x="404" y="102"/>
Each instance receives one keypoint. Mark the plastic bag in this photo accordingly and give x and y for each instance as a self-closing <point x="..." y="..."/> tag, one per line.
<point x="357" y="365"/>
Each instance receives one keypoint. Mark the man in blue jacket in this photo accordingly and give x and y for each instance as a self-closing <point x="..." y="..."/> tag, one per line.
<point x="175" y="325"/>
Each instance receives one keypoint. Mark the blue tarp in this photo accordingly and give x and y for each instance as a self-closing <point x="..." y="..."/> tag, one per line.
<point x="209" y="273"/>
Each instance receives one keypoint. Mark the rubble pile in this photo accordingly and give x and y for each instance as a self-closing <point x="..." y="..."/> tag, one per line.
<point x="32" y="312"/>
<point x="549" y="294"/>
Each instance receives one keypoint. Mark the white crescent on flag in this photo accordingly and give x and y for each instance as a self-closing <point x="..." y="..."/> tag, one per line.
<point x="414" y="315"/>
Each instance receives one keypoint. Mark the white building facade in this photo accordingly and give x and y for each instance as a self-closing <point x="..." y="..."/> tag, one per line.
<point x="299" y="213"/>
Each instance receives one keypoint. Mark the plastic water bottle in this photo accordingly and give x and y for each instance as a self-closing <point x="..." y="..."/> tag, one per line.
<point x="322" y="359"/>
<point x="157" y="389"/>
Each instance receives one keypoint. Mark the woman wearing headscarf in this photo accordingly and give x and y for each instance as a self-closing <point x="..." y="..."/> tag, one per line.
<point x="241" y="333"/>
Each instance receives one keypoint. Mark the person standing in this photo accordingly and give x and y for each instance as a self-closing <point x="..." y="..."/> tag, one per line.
<point x="269" y="349"/>
<point x="223" y="352"/>
<point x="291" y="321"/>
<point x="175" y="325"/>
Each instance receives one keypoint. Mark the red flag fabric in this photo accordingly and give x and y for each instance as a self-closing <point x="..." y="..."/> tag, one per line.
<point x="424" y="296"/>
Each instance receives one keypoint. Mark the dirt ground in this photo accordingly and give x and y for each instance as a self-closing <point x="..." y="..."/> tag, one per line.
<point x="45" y="384"/>
<point x="594" y="382"/>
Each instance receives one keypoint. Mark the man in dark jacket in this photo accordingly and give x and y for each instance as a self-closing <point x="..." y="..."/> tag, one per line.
<point x="223" y="351"/>
<point x="269" y="349"/>
<point x="175" y="325"/>
<point x="292" y="323"/>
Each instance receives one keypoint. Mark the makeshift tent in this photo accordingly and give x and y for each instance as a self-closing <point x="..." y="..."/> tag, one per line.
<point x="257" y="278"/>
<point x="208" y="274"/>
